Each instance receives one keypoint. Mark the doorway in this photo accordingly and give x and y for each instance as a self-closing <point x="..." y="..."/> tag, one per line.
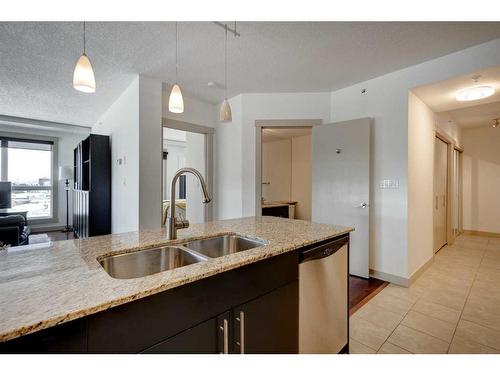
<point x="286" y="172"/>
<point x="340" y="184"/>
<point x="186" y="145"/>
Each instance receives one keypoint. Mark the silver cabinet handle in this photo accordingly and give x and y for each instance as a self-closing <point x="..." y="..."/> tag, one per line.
<point x="437" y="202"/>
<point x="241" y="343"/>
<point x="224" y="329"/>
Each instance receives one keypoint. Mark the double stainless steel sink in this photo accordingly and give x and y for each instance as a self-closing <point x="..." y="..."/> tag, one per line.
<point x="150" y="261"/>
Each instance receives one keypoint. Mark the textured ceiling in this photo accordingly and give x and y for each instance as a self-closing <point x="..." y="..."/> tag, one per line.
<point x="476" y="116"/>
<point x="37" y="59"/>
<point x="440" y="96"/>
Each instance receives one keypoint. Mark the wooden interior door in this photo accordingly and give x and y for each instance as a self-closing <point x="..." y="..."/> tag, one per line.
<point x="440" y="193"/>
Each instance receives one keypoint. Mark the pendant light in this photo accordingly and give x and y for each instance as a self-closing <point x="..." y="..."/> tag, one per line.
<point x="175" y="101"/>
<point x="225" y="109"/>
<point x="83" y="76"/>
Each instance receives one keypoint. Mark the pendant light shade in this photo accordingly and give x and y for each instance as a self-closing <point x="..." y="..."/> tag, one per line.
<point x="176" y="102"/>
<point x="225" y="112"/>
<point x="83" y="75"/>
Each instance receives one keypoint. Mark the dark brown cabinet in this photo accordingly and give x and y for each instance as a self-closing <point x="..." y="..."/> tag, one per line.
<point x="251" y="309"/>
<point x="200" y="339"/>
<point x="261" y="326"/>
<point x="92" y="187"/>
<point x="265" y="325"/>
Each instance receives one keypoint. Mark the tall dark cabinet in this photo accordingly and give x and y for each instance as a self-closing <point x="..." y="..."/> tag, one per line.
<point x="92" y="189"/>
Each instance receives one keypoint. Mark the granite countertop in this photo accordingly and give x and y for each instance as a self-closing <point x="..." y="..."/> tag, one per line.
<point x="43" y="287"/>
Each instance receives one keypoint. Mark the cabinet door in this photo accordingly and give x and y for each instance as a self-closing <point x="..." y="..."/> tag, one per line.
<point x="268" y="324"/>
<point x="200" y="339"/>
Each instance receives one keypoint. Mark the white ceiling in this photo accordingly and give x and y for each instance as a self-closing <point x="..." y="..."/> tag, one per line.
<point x="475" y="116"/>
<point x="37" y="58"/>
<point x="280" y="134"/>
<point x="440" y="96"/>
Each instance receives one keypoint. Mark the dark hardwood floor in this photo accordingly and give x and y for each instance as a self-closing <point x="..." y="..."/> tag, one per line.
<point x="362" y="290"/>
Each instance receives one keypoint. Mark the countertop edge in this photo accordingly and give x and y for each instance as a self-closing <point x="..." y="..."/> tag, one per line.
<point x="77" y="314"/>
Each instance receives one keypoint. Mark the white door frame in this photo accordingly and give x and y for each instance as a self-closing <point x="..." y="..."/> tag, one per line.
<point x="259" y="124"/>
<point x="451" y="145"/>
<point x="460" y="188"/>
<point x="209" y="154"/>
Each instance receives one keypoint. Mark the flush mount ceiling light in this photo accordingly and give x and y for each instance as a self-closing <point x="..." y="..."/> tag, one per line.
<point x="83" y="75"/>
<point x="475" y="93"/>
<point x="175" y="101"/>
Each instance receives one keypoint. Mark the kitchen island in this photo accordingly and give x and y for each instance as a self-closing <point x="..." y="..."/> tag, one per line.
<point x="60" y="299"/>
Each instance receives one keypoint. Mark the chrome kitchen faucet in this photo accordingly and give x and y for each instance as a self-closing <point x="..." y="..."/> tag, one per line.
<point x="172" y="223"/>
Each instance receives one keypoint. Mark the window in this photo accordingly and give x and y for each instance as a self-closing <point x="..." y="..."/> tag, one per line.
<point x="28" y="165"/>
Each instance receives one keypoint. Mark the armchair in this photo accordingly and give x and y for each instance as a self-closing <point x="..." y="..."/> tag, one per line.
<point x="13" y="230"/>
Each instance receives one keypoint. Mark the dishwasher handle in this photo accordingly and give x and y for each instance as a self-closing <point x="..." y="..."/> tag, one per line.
<point x="323" y="251"/>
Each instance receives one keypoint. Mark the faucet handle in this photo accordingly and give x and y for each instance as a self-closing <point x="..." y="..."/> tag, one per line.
<point x="181" y="224"/>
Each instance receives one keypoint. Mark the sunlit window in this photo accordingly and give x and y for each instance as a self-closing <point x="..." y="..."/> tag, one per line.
<point x="27" y="164"/>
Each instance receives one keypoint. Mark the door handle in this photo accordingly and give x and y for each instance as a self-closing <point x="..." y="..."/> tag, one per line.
<point x="224" y="329"/>
<point x="444" y="200"/>
<point x="241" y="343"/>
<point x="363" y="205"/>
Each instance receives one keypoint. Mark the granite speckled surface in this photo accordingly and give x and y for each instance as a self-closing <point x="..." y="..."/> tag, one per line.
<point x="43" y="287"/>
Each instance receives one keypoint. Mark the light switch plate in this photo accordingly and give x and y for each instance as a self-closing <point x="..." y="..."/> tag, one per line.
<point x="389" y="184"/>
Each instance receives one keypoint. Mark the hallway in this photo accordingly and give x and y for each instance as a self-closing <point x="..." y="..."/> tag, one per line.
<point x="454" y="307"/>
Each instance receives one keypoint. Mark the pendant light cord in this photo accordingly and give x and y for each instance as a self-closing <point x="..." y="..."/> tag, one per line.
<point x="84" y="39"/>
<point x="225" y="64"/>
<point x="176" y="61"/>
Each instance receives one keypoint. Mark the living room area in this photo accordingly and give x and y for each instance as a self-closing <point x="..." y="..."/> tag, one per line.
<point x="37" y="180"/>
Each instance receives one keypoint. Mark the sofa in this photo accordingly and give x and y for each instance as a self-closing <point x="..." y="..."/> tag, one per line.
<point x="13" y="230"/>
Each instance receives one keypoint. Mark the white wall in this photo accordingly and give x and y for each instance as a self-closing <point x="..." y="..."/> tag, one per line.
<point x="150" y="153"/>
<point x="386" y="101"/>
<point x="421" y="136"/>
<point x="446" y="125"/>
<point x="296" y="106"/>
<point x="121" y="123"/>
<point x="67" y="139"/>
<point x="277" y="170"/>
<point x="195" y="158"/>
<point x="228" y="189"/>
<point x="195" y="111"/>
<point x="481" y="179"/>
<point x="302" y="176"/>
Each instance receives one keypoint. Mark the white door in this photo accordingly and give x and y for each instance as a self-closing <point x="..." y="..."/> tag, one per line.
<point x="440" y="192"/>
<point x="341" y="184"/>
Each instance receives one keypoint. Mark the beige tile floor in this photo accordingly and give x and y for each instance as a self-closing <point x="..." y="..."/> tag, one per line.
<point x="453" y="307"/>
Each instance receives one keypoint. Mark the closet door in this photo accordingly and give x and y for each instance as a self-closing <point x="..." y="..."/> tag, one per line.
<point x="440" y="193"/>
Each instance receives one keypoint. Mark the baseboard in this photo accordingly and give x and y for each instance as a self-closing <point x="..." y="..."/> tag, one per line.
<point x="394" y="279"/>
<point x="480" y="233"/>
<point x="421" y="270"/>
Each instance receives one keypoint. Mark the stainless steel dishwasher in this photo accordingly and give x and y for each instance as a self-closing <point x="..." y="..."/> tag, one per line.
<point x="323" y="297"/>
